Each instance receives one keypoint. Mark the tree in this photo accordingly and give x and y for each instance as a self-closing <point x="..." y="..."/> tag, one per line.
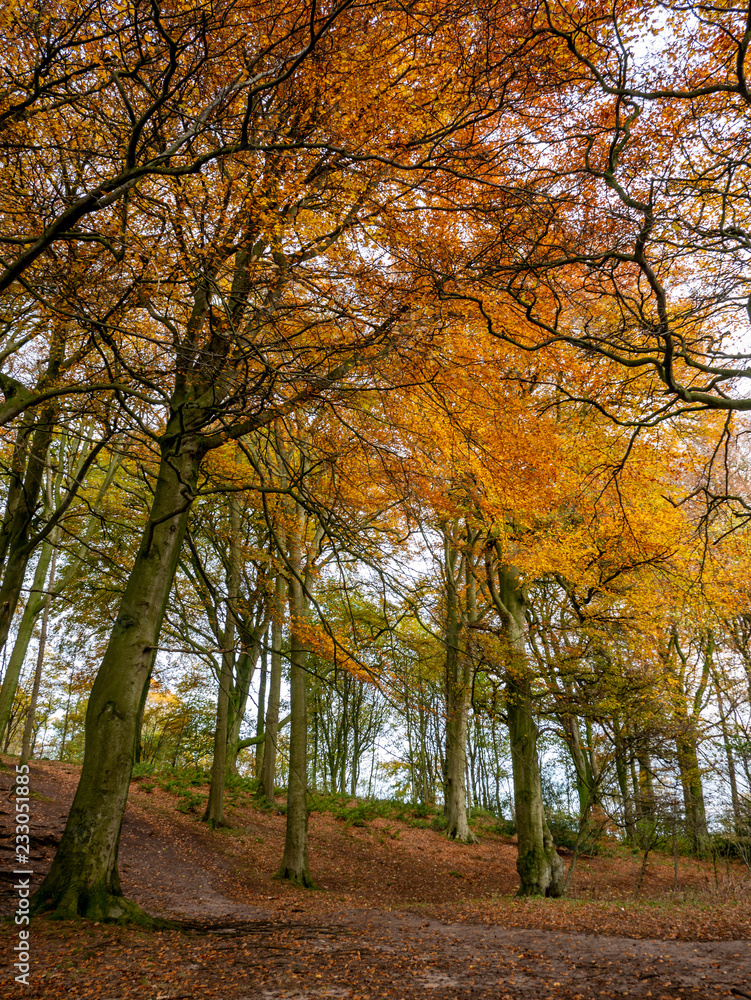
<point x="540" y="869"/>
<point x="330" y="227"/>
<point x="624" y="243"/>
<point x="228" y="339"/>
<point x="158" y="93"/>
<point x="460" y="597"/>
<point x="65" y="453"/>
<point x="294" y="866"/>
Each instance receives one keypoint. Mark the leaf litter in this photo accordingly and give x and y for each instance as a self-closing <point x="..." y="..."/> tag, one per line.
<point x="401" y="913"/>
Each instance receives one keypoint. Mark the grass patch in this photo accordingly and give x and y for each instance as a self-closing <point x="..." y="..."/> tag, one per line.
<point x="360" y="812"/>
<point x="190" y="802"/>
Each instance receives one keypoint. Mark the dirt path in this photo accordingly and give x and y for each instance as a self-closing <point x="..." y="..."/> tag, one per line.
<point x="402" y="917"/>
<point x="373" y="954"/>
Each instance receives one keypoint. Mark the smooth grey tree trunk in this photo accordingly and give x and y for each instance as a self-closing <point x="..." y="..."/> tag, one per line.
<point x="238" y="701"/>
<point x="214" y="814"/>
<point x="34" y="607"/>
<point x="732" y="776"/>
<point x="621" y="773"/>
<point x="84" y="879"/>
<point x="294" y="866"/>
<point x="271" y="734"/>
<point x="457" y="827"/>
<point x="28" y="732"/>
<point x="584" y="785"/>
<point x="261" y="713"/>
<point x="541" y="871"/>
<point x="459" y="674"/>
<point x="266" y="789"/>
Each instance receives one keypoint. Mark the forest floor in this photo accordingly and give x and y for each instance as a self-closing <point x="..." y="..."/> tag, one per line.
<point x="400" y="913"/>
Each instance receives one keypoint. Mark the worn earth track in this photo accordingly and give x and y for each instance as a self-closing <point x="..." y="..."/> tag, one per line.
<point x="245" y="937"/>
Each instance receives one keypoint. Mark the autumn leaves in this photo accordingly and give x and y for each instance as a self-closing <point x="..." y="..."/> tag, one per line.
<point x="436" y="256"/>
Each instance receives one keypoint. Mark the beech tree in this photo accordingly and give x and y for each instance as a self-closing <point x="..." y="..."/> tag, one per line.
<point x="540" y="869"/>
<point x="161" y="93"/>
<point x="245" y="320"/>
<point x="38" y="533"/>
<point x="625" y="240"/>
<point x="460" y="596"/>
<point x="461" y="239"/>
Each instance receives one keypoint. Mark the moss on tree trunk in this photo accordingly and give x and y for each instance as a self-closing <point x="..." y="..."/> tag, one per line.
<point x="541" y="871"/>
<point x="83" y="879"/>
<point x="294" y="866"/>
<point x="271" y="732"/>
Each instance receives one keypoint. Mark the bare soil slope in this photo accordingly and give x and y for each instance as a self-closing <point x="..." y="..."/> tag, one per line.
<point x="400" y="913"/>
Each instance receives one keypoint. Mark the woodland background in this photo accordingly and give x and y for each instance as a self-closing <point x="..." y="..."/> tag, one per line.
<point x="375" y="380"/>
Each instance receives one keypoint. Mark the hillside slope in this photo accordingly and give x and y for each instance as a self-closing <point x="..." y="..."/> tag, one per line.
<point x="400" y="911"/>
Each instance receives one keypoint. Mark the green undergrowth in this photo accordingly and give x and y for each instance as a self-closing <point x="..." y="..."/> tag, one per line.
<point x="361" y="812"/>
<point x="191" y="785"/>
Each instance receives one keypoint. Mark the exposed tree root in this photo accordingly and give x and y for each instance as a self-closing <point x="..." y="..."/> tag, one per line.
<point x="216" y="824"/>
<point x="462" y="838"/>
<point x="99" y="906"/>
<point x="303" y="880"/>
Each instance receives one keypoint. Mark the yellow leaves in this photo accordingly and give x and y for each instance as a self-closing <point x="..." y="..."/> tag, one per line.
<point x="329" y="646"/>
<point x="490" y="441"/>
<point x="228" y="466"/>
<point x="160" y="699"/>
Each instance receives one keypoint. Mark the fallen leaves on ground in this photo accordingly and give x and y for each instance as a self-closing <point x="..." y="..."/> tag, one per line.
<point x="401" y="913"/>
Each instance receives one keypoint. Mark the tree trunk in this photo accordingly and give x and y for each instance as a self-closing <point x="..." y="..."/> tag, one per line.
<point x="732" y="777"/>
<point x="36" y="599"/>
<point x="214" y="814"/>
<point x="238" y="700"/>
<point x="26" y="746"/>
<point x="261" y="714"/>
<point x="34" y="605"/>
<point x="66" y="717"/>
<point x="314" y="764"/>
<point x="83" y="879"/>
<point x="271" y="734"/>
<point x="621" y="772"/>
<point x="138" y="751"/>
<point x="15" y="485"/>
<point x="582" y="776"/>
<point x="540" y="869"/>
<point x="686" y="713"/>
<point x="693" y="792"/>
<point x="458" y="679"/>
<point x="19" y="548"/>
<point x="457" y="710"/>
<point x="294" y="866"/>
<point x="646" y="786"/>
